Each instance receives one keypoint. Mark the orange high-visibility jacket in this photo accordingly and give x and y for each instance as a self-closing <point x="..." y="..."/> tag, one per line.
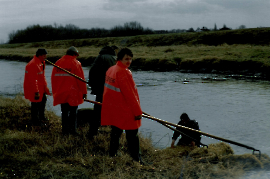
<point x="34" y="80"/>
<point x="121" y="101"/>
<point x="66" y="88"/>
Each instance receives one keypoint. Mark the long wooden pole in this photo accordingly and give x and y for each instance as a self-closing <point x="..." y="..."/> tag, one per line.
<point x="66" y="71"/>
<point x="166" y="123"/>
<point x="205" y="134"/>
<point x="174" y="129"/>
<point x="94" y="102"/>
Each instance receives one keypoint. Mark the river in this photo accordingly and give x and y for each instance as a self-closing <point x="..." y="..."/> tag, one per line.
<point x="238" y="110"/>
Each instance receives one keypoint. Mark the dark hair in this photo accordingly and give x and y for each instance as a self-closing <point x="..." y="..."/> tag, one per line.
<point x="123" y="52"/>
<point x="41" y="51"/>
<point x="184" y="116"/>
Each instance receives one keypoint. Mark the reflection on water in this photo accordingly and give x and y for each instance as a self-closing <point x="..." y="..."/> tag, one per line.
<point x="237" y="110"/>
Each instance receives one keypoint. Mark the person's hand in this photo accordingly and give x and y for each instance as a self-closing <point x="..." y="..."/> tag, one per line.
<point x="138" y="117"/>
<point x="37" y="95"/>
<point x="172" y="144"/>
<point x="84" y="96"/>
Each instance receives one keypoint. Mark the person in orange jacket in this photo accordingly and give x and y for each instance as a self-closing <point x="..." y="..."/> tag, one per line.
<point x="121" y="105"/>
<point x="67" y="90"/>
<point x="35" y="87"/>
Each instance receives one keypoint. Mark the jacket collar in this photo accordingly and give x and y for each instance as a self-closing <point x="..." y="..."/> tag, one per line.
<point x="68" y="57"/>
<point x="37" y="60"/>
<point x="119" y="63"/>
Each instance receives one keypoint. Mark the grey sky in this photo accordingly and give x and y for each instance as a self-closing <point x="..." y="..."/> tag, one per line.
<point x="155" y="14"/>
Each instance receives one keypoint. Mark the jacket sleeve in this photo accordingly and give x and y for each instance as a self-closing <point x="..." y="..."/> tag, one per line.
<point x="176" y="134"/>
<point x="82" y="85"/>
<point x="97" y="76"/>
<point x="32" y="78"/>
<point x="128" y="89"/>
<point x="53" y="81"/>
<point x="45" y="81"/>
<point x="92" y="72"/>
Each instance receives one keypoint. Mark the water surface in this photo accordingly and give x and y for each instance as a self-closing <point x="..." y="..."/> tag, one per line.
<point x="237" y="110"/>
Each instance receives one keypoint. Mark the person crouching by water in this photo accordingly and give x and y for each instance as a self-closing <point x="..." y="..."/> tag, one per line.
<point x="35" y="87"/>
<point x="189" y="138"/>
<point x="121" y="105"/>
<point x="68" y="90"/>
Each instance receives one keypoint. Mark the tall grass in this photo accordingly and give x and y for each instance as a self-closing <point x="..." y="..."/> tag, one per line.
<point x="35" y="153"/>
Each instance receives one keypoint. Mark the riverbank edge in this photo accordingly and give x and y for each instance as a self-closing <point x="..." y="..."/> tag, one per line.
<point x="77" y="157"/>
<point x="249" y="68"/>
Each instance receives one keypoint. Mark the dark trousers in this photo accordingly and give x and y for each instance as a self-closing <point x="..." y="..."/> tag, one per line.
<point x="69" y="118"/>
<point x="96" y="122"/>
<point x="37" y="111"/>
<point x="132" y="141"/>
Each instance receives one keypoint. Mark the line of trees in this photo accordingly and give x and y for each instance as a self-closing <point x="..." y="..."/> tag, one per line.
<point x="191" y="29"/>
<point x="205" y="29"/>
<point x="37" y="33"/>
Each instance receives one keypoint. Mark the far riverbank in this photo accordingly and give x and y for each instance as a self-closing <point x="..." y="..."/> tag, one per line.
<point x="247" y="60"/>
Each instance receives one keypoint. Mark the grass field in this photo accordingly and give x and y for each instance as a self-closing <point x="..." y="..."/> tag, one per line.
<point x="35" y="153"/>
<point x="244" y="51"/>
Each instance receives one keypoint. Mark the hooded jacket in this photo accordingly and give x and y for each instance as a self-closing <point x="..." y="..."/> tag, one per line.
<point x="185" y="139"/>
<point x="34" y="80"/>
<point x="121" y="101"/>
<point x="102" y="63"/>
<point x="66" y="88"/>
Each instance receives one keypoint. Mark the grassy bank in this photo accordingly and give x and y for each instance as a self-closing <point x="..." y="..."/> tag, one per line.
<point x="245" y="52"/>
<point x="31" y="153"/>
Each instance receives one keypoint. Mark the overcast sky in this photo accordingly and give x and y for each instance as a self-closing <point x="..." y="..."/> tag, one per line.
<point x="155" y="14"/>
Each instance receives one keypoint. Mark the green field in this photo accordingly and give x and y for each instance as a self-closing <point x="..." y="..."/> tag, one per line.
<point x="243" y="51"/>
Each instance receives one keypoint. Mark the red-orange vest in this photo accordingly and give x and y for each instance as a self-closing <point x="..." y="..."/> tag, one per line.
<point x="66" y="88"/>
<point x="120" y="99"/>
<point x="34" y="80"/>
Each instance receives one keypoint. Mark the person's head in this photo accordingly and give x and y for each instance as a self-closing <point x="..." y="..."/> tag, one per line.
<point x="115" y="49"/>
<point x="72" y="51"/>
<point x="125" y="55"/>
<point x="184" y="118"/>
<point x="41" y="53"/>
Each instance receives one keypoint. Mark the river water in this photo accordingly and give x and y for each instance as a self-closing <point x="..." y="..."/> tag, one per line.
<point x="238" y="110"/>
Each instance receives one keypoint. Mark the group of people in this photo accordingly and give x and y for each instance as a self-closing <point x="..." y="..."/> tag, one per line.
<point x="67" y="91"/>
<point x="111" y="81"/>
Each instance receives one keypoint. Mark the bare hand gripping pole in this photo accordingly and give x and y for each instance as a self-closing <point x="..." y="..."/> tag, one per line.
<point x="169" y="124"/>
<point x="66" y="71"/>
